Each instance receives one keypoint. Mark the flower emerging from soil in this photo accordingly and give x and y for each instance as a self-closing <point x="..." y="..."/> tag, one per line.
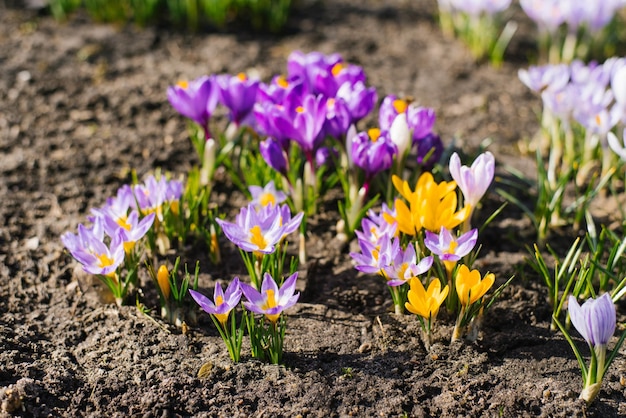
<point x="469" y="285"/>
<point x="261" y="231"/>
<point x="595" y="320"/>
<point x="271" y="301"/>
<point x="90" y="250"/>
<point x="223" y="302"/>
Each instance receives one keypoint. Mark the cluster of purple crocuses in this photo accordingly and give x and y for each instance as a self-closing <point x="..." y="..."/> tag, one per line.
<point x="109" y="243"/>
<point x="313" y="107"/>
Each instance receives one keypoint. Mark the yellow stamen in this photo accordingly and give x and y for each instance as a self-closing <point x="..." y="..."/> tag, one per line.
<point x="270" y="303"/>
<point x="282" y="82"/>
<point x="598" y="119"/>
<point x="257" y="237"/>
<point x="337" y="69"/>
<point x="183" y="84"/>
<point x="242" y="76"/>
<point x="267" y="198"/>
<point x="300" y="109"/>
<point x="374" y="134"/>
<point x="104" y="260"/>
<point x="400" y="105"/>
<point x="123" y="222"/>
<point x="128" y="246"/>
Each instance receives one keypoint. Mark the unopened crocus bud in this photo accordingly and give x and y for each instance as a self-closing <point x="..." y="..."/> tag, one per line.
<point x="274" y="155"/>
<point x="163" y="278"/>
<point x="208" y="162"/>
<point x="400" y="134"/>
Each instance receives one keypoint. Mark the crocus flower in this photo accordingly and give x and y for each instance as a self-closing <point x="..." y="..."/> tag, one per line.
<point x="475" y="180"/>
<point x="390" y="107"/>
<point x="260" y="231"/>
<point x="421" y="121"/>
<point x="117" y="207"/>
<point x="271" y="301"/>
<point x="595" y="320"/>
<point x="306" y="68"/>
<point x="359" y="99"/>
<point x="132" y="229"/>
<point x="374" y="257"/>
<point x="429" y="150"/>
<point x="306" y="123"/>
<point x="153" y="194"/>
<point x="469" y="285"/>
<point x="223" y="302"/>
<point x="89" y="249"/>
<point x="405" y="265"/>
<point x="238" y="93"/>
<point x="195" y="100"/>
<point x="375" y="227"/>
<point x="425" y="303"/>
<point x="373" y="151"/>
<point x="337" y="118"/>
<point x="266" y="195"/>
<point x="448" y="248"/>
<point x="274" y="155"/>
<point x="431" y="205"/>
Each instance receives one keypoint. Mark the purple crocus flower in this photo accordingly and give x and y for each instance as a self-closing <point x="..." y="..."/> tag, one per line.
<point x="223" y="302"/>
<point x="89" y="249"/>
<point x="448" y="248"/>
<point x="359" y="99"/>
<point x="326" y="157"/>
<point x="238" y="93"/>
<point x="305" y="126"/>
<point x="373" y="151"/>
<point x="271" y="301"/>
<point x="195" y="100"/>
<point x="595" y="320"/>
<point x="153" y="194"/>
<point x="374" y="257"/>
<point x="475" y="180"/>
<point x="429" y="150"/>
<point x="547" y="14"/>
<point x="260" y="231"/>
<point x="389" y="109"/>
<point x="132" y="229"/>
<point x="274" y="155"/>
<point x="337" y="118"/>
<point x="405" y="266"/>
<point x="421" y="121"/>
<point x="375" y="228"/>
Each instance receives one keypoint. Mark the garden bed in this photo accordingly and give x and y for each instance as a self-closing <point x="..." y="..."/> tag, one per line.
<point x="82" y="105"/>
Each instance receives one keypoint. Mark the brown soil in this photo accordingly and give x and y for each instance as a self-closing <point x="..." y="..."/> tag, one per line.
<point x="81" y="104"/>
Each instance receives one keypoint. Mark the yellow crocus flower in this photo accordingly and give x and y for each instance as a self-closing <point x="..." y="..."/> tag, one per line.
<point x="431" y="206"/>
<point x="425" y="303"/>
<point x="470" y="287"/>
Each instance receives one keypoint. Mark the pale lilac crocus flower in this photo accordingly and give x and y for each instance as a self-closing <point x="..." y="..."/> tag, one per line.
<point x="448" y="248"/>
<point x="132" y="229"/>
<point x="89" y="249"/>
<point x="223" y="302"/>
<point x="595" y="320"/>
<point x="405" y="266"/>
<point x="374" y="257"/>
<point x="475" y="180"/>
<point x="271" y="301"/>
<point x="260" y="231"/>
<point x="266" y="195"/>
